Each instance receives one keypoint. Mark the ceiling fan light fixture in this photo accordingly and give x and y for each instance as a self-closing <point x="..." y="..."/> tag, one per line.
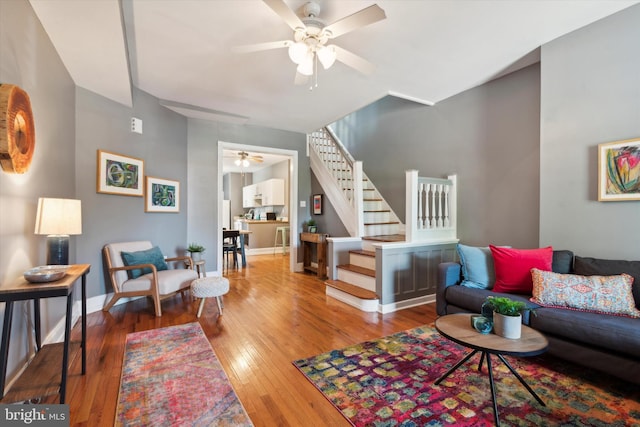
<point x="327" y="56"/>
<point x="245" y="163"/>
<point x="306" y="67"/>
<point x="298" y="52"/>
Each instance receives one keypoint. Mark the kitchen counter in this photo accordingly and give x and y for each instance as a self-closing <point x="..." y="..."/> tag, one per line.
<point x="261" y="239"/>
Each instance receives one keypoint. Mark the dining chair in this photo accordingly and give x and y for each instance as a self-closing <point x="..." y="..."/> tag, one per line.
<point x="230" y="247"/>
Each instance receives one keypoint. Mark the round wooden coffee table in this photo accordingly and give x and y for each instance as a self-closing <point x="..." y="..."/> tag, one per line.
<point x="457" y="328"/>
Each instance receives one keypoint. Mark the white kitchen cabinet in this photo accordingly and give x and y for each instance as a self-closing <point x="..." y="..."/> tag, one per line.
<point x="248" y="196"/>
<point x="272" y="192"/>
<point x="265" y="193"/>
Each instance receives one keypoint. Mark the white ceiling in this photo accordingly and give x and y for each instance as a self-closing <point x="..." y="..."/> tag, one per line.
<point x="268" y="160"/>
<point x="179" y="51"/>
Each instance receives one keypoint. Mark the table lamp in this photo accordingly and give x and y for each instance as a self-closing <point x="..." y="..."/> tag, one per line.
<point x="58" y="218"/>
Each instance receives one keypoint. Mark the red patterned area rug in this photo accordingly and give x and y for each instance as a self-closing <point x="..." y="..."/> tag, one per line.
<point x="172" y="377"/>
<point x="389" y="382"/>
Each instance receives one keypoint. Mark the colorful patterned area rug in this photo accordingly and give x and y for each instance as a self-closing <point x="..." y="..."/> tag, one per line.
<point x="172" y="377"/>
<point x="390" y="382"/>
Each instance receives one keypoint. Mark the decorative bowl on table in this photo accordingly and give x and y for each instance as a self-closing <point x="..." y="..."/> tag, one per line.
<point x="46" y="273"/>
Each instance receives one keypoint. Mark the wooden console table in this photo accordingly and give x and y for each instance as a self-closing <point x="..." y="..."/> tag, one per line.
<point x="41" y="378"/>
<point x="320" y="241"/>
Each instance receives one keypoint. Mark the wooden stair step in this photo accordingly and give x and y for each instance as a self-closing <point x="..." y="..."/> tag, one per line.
<point x="382" y="223"/>
<point x="387" y="238"/>
<point x="357" y="269"/>
<point x="371" y="254"/>
<point x="378" y="211"/>
<point x="350" y="289"/>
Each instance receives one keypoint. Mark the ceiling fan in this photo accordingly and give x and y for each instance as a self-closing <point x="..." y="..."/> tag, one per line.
<point x="311" y="35"/>
<point x="244" y="159"/>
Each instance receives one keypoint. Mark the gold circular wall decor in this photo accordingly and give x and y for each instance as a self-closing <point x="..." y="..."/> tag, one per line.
<point x="17" y="133"/>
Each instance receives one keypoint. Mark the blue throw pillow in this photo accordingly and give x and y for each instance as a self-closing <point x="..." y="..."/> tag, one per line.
<point x="477" y="266"/>
<point x="150" y="256"/>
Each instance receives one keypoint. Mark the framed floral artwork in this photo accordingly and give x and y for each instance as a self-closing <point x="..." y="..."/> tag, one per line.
<point x="118" y="174"/>
<point x="161" y="195"/>
<point x="619" y="170"/>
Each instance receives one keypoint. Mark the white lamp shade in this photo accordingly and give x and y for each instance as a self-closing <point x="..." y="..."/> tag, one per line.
<point x="298" y="52"/>
<point x="306" y="67"/>
<point x="327" y="56"/>
<point x="58" y="216"/>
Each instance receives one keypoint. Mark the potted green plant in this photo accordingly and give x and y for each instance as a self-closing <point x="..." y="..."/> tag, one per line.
<point x="196" y="251"/>
<point x="311" y="225"/>
<point x="507" y="316"/>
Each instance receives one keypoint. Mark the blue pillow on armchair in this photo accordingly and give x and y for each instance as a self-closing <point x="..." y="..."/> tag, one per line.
<point x="150" y="256"/>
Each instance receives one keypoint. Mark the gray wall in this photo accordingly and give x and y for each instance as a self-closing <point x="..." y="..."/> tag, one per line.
<point x="329" y="222"/>
<point x="105" y="124"/>
<point x="590" y="95"/>
<point x="489" y="136"/>
<point x="28" y="60"/>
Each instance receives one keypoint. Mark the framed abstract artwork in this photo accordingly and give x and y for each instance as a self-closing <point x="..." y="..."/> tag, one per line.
<point x="317" y="204"/>
<point x="118" y="174"/>
<point x="619" y="170"/>
<point x="161" y="195"/>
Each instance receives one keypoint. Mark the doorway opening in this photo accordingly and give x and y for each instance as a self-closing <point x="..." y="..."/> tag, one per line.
<point x="268" y="154"/>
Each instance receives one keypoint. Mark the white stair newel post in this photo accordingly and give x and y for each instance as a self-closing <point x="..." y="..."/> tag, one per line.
<point x="412" y="219"/>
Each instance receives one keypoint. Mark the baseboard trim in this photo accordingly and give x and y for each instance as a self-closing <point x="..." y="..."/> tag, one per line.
<point x="401" y="305"/>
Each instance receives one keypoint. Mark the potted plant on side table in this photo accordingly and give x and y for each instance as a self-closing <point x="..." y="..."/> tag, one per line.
<point x="507" y="316"/>
<point x="311" y="226"/>
<point x="196" y="250"/>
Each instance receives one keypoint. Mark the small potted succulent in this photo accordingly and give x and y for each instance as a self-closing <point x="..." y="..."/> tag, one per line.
<point x="196" y="251"/>
<point x="507" y="316"/>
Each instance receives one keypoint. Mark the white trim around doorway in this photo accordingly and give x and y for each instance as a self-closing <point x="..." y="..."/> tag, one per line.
<point x="293" y="192"/>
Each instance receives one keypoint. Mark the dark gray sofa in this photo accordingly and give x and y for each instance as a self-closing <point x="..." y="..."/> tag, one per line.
<point x="605" y="342"/>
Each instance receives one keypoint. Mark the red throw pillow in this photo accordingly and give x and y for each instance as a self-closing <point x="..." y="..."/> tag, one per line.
<point x="513" y="267"/>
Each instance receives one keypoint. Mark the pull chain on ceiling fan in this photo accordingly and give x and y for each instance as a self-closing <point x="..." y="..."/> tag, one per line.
<point x="310" y="38"/>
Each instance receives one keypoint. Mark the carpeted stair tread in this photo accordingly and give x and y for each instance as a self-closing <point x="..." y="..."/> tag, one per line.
<point x="357" y="269"/>
<point x="354" y="290"/>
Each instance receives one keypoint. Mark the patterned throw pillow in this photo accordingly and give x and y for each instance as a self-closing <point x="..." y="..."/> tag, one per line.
<point x="600" y="294"/>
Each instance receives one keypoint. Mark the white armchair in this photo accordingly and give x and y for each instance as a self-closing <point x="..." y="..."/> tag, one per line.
<point x="147" y="278"/>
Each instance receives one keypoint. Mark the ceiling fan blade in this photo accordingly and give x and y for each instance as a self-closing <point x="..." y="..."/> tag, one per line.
<point x="359" y="19"/>
<point x="288" y="15"/>
<point x="354" y="61"/>
<point x="257" y="159"/>
<point x="301" y="79"/>
<point x="248" y="48"/>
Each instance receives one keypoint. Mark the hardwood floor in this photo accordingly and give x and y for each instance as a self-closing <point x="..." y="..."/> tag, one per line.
<point x="271" y="317"/>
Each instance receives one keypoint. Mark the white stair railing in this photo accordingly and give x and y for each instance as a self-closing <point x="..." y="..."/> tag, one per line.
<point x="341" y="178"/>
<point x="430" y="208"/>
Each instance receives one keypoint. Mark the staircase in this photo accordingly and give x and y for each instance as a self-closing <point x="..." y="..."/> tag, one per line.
<point x="356" y="282"/>
<point x="363" y="211"/>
